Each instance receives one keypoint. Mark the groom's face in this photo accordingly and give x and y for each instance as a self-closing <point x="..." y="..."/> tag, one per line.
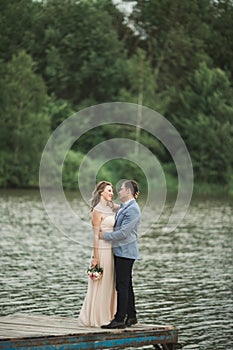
<point x="123" y="193"/>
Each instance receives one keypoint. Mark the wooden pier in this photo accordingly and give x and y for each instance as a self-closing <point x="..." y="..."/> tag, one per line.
<point x="41" y="332"/>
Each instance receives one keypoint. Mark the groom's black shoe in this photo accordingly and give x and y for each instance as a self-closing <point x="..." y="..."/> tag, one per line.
<point x="114" y="324"/>
<point x="130" y="321"/>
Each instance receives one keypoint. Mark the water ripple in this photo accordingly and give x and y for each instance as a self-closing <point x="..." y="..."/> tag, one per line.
<point x="184" y="278"/>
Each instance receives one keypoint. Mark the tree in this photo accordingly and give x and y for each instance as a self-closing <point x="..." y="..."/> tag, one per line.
<point x="206" y="122"/>
<point x="173" y="34"/>
<point x="142" y="89"/>
<point x="18" y="21"/>
<point x="24" y="123"/>
<point x="220" y="42"/>
<point x="78" y="52"/>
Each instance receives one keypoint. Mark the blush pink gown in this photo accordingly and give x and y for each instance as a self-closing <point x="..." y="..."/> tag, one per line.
<point x="99" y="306"/>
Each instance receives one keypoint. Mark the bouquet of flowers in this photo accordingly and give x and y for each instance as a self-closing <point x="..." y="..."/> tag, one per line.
<point x="95" y="272"/>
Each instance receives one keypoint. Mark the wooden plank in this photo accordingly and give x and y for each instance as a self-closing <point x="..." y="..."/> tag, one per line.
<point x="56" y="325"/>
<point x="93" y="342"/>
<point x="51" y="332"/>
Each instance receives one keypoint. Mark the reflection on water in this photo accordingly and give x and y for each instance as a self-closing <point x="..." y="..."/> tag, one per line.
<point x="184" y="278"/>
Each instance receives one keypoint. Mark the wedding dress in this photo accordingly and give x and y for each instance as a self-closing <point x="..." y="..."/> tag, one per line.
<point x="100" y="302"/>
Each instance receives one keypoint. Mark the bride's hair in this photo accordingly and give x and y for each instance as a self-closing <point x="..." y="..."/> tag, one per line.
<point x="99" y="188"/>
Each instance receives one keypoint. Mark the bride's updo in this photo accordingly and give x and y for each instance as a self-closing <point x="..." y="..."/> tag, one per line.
<point x="99" y="188"/>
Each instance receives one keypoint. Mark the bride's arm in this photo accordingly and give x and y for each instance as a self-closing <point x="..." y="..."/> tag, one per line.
<point x="96" y="221"/>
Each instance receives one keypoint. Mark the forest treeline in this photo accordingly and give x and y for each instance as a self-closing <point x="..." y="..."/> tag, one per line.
<point x="60" y="56"/>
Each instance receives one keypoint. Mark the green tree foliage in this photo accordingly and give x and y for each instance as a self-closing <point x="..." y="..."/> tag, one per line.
<point x="17" y="20"/>
<point x="142" y="86"/>
<point x="60" y="56"/>
<point x="24" y="123"/>
<point x="59" y="110"/>
<point x="70" y="169"/>
<point x="78" y="52"/>
<point x="173" y="34"/>
<point x="206" y="123"/>
<point x="220" y="43"/>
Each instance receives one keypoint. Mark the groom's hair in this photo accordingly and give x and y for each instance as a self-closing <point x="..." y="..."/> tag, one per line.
<point x="133" y="186"/>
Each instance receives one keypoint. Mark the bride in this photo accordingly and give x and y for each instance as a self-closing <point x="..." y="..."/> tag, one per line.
<point x="99" y="306"/>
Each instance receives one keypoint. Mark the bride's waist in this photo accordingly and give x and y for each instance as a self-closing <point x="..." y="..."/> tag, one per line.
<point x="104" y="230"/>
<point x="104" y="243"/>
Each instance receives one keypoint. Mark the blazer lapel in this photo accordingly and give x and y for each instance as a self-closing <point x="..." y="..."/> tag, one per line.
<point x="122" y="210"/>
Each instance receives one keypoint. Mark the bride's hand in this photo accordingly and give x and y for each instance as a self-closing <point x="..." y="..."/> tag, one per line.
<point x="101" y="234"/>
<point x="94" y="262"/>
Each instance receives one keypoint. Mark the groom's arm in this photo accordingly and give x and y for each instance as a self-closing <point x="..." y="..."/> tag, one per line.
<point x="128" y="224"/>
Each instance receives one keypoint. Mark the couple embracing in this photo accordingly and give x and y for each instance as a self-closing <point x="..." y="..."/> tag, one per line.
<point x="109" y="302"/>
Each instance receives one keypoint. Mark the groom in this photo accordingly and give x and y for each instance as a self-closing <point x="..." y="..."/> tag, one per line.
<point x="125" y="249"/>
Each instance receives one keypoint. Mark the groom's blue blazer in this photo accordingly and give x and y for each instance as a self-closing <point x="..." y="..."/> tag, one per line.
<point x="124" y="236"/>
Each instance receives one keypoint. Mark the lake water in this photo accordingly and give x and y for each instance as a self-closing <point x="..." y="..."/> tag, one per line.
<point x="184" y="278"/>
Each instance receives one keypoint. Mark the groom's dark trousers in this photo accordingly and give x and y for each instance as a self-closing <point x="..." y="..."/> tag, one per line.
<point x="125" y="294"/>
